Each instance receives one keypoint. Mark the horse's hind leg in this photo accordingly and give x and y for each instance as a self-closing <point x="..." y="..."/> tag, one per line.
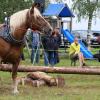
<point x="14" y="77"/>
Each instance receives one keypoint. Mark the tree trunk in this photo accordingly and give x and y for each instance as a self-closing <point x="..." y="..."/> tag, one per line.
<point x="89" y="23"/>
<point x="89" y="30"/>
<point x="59" y="70"/>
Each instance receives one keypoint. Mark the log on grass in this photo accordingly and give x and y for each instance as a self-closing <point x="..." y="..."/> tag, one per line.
<point x="60" y="70"/>
<point x="50" y="81"/>
<point x="39" y="75"/>
<point x="29" y="81"/>
<point x="41" y="78"/>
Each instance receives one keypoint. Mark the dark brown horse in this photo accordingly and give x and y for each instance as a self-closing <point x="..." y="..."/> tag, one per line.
<point x="19" y="23"/>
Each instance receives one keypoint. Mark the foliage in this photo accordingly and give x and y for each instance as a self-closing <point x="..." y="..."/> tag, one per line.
<point x="46" y="2"/>
<point x="86" y="9"/>
<point x="12" y="6"/>
<point x="59" y="1"/>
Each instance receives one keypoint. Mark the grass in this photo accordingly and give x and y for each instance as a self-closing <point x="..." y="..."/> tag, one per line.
<point x="64" y="59"/>
<point x="77" y="87"/>
<point x="64" y="62"/>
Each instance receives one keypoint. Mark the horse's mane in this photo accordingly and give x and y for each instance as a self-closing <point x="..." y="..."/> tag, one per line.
<point x="19" y="18"/>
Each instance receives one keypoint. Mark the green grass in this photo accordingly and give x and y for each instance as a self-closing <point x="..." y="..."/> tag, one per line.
<point x="77" y="87"/>
<point x="64" y="59"/>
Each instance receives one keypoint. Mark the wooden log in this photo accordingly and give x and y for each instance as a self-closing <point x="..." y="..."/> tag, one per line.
<point x="60" y="70"/>
<point x="40" y="79"/>
<point x="50" y="81"/>
<point x="29" y="81"/>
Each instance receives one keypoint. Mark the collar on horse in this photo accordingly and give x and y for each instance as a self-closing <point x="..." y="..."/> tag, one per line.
<point x="6" y="35"/>
<point x="12" y="40"/>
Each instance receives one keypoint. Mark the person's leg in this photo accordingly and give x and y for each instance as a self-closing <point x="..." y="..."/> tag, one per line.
<point x="57" y="56"/>
<point x="32" y="54"/>
<point x="37" y="54"/>
<point x="46" y="60"/>
<point x="52" y="58"/>
<point x="81" y="59"/>
<point x="74" y="58"/>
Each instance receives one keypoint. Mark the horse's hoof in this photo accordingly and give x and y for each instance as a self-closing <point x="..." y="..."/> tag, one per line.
<point x="15" y="92"/>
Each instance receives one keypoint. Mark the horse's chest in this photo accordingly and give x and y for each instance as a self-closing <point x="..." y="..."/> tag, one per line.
<point x="15" y="52"/>
<point x="9" y="53"/>
<point x="13" y="55"/>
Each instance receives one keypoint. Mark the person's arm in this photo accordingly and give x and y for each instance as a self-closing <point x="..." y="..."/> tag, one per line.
<point x="77" y="49"/>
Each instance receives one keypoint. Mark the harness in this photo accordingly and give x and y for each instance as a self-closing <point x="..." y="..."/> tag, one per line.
<point x="7" y="36"/>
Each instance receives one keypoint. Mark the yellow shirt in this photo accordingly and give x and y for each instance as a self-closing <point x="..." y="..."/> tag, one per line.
<point x="74" y="48"/>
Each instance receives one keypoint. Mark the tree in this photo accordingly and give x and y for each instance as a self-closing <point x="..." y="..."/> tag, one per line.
<point x="86" y="9"/>
<point x="47" y="2"/>
<point x="12" y="6"/>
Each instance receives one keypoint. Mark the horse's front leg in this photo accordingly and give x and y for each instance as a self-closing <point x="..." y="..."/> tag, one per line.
<point x="14" y="77"/>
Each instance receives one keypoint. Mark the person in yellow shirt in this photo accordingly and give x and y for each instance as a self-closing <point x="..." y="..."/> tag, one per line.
<point x="75" y="53"/>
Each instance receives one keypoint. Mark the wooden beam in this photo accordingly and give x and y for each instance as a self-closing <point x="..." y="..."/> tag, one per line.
<point x="60" y="70"/>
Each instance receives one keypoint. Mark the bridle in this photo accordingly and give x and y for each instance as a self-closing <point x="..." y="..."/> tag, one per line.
<point x="31" y="23"/>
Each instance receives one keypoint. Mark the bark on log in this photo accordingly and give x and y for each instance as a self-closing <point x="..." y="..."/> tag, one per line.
<point x="60" y="70"/>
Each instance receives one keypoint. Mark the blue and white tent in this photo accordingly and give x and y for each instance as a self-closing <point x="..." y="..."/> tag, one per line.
<point x="59" y="10"/>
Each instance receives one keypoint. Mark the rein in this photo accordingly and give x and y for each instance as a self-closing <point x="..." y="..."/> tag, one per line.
<point x="31" y="22"/>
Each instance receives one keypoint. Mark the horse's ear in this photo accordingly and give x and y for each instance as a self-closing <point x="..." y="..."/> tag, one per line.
<point x="33" y="5"/>
<point x="32" y="9"/>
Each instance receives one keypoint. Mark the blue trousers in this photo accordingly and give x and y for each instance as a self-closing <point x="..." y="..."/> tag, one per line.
<point x="50" y="58"/>
<point x="35" y="55"/>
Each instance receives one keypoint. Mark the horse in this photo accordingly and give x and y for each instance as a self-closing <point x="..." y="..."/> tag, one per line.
<point x="19" y="23"/>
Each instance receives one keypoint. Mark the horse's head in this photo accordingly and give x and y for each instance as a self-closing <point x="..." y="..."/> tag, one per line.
<point x="37" y="22"/>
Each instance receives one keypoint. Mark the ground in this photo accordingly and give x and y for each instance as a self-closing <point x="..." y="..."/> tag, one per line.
<point x="77" y="87"/>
